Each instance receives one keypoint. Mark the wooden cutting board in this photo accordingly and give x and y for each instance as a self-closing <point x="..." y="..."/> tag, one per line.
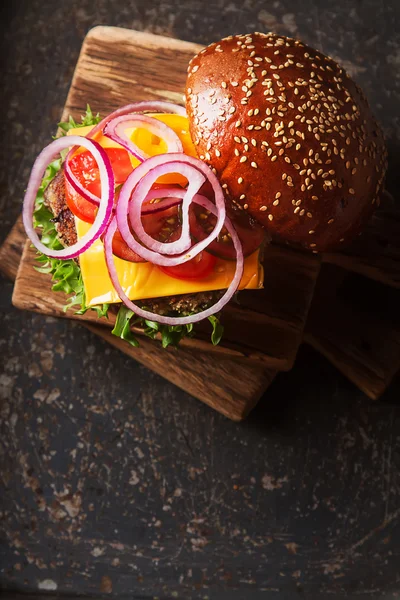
<point x="118" y="66"/>
<point x="230" y="386"/>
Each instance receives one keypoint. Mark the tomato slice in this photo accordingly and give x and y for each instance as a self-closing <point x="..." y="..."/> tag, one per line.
<point x="84" y="167"/>
<point x="122" y="250"/>
<point x="197" y="268"/>
<point x="250" y="233"/>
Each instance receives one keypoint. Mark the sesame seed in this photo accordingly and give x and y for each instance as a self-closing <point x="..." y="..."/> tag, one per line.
<point x="232" y="110"/>
<point x="217" y="153"/>
<point x="270" y="217"/>
<point x="240" y="180"/>
<point x="313" y="245"/>
<point x="242" y="197"/>
<point x="196" y="68"/>
<point x="275" y="202"/>
<point x="236" y="151"/>
<point x="254" y="165"/>
<point x="351" y="191"/>
<point x="223" y="84"/>
<point x="245" y="206"/>
<point x="243" y="159"/>
<point x="263" y="208"/>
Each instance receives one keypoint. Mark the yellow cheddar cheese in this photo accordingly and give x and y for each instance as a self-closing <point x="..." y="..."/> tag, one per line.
<point x="144" y="280"/>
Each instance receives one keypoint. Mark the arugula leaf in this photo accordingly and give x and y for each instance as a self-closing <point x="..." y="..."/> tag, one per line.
<point x="218" y="330"/>
<point x="67" y="275"/>
<point x="122" y="326"/>
<point x="152" y="325"/>
<point x="87" y="119"/>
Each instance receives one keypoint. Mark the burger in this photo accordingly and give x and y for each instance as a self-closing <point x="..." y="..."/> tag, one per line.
<point x="164" y="212"/>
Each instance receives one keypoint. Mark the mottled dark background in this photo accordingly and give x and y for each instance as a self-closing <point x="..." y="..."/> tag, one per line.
<point x="115" y="482"/>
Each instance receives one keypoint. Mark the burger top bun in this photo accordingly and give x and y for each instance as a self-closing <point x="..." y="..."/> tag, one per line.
<point x="290" y="136"/>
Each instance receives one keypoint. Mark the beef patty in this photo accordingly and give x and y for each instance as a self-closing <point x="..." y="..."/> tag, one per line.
<point x="183" y="304"/>
<point x="54" y="199"/>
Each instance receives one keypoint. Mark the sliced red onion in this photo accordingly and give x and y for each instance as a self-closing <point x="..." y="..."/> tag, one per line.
<point x="158" y="165"/>
<point x="115" y="130"/>
<point x="106" y="202"/>
<point x="157" y="106"/>
<point x="196" y="180"/>
<point x="145" y="314"/>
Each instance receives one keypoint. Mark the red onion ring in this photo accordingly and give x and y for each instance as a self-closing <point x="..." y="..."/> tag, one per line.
<point x="145" y="314"/>
<point x="196" y="180"/>
<point x="115" y="130"/>
<point x="106" y="201"/>
<point x="137" y="107"/>
<point x="158" y="165"/>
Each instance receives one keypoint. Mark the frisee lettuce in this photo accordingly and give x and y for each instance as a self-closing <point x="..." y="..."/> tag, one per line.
<point x="67" y="276"/>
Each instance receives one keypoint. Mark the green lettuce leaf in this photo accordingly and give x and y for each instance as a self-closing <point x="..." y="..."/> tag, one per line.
<point x="122" y="326"/>
<point x="218" y="330"/>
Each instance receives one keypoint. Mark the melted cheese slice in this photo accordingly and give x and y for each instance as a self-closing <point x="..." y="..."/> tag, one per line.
<point x="145" y="280"/>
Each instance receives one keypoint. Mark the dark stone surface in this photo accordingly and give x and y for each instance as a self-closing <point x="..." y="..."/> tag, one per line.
<point x="114" y="481"/>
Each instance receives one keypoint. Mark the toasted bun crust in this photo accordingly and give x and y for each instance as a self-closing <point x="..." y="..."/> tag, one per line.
<point x="290" y="136"/>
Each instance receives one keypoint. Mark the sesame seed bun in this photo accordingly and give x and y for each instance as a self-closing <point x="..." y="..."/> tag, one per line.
<point x="290" y="136"/>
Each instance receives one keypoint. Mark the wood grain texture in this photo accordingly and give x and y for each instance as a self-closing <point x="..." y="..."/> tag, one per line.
<point x="355" y="323"/>
<point x="271" y="339"/>
<point x="117" y="66"/>
<point x="11" y="250"/>
<point x="376" y="253"/>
